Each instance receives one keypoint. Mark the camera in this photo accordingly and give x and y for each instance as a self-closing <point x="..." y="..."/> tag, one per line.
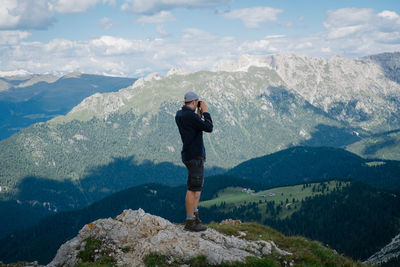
<point x="198" y="104"/>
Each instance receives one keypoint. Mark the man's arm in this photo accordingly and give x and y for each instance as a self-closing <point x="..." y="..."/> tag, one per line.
<point x="206" y="124"/>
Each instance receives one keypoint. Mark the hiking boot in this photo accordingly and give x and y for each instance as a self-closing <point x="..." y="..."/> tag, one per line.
<point x="193" y="226"/>
<point x="196" y="217"/>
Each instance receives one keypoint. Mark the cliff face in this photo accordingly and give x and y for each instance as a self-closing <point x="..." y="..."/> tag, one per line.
<point x="390" y="252"/>
<point x="134" y="234"/>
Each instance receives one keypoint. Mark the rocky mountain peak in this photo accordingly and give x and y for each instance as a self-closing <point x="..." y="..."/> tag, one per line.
<point x="101" y="104"/>
<point x="134" y="234"/>
<point x="22" y="81"/>
<point x="141" y="81"/>
<point x="48" y="78"/>
<point x="177" y="71"/>
<point x="75" y="74"/>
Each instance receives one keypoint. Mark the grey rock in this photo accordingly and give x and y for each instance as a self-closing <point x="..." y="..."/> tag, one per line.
<point x="387" y="253"/>
<point x="144" y="233"/>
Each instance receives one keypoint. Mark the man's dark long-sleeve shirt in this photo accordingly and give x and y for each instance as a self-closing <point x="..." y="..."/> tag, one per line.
<point x="191" y="128"/>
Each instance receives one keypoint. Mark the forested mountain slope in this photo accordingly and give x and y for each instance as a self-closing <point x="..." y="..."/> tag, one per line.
<point x="25" y="100"/>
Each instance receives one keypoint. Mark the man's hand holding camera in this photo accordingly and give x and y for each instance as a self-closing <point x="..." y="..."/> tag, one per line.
<point x="201" y="108"/>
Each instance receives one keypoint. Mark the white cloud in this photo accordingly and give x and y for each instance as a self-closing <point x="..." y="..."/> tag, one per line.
<point x="353" y="22"/>
<point x="104" y="55"/>
<point x="161" y="17"/>
<point x="114" y="46"/>
<point x="61" y="46"/>
<point x="76" y="6"/>
<point x="387" y="14"/>
<point x="14" y="73"/>
<point x="39" y="14"/>
<point x="194" y="50"/>
<point x="12" y="37"/>
<point x="345" y="31"/>
<point x="361" y="31"/>
<point x="348" y="21"/>
<point x="106" y="23"/>
<point x="254" y="16"/>
<point x="199" y="49"/>
<point x="8" y="17"/>
<point x="25" y="14"/>
<point x="348" y="32"/>
<point x="275" y="36"/>
<point x="367" y="32"/>
<point x="348" y="17"/>
<point x="154" y="6"/>
<point x="72" y="6"/>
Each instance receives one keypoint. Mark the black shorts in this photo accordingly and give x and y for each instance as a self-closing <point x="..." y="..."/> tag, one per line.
<point x="195" y="174"/>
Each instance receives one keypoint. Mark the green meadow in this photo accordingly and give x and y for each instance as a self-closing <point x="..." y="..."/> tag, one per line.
<point x="288" y="198"/>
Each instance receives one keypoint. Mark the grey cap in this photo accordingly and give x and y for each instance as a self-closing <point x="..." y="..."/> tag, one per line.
<point x="190" y="96"/>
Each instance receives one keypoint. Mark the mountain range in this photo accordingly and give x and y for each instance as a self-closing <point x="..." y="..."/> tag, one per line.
<point x="25" y="100"/>
<point x="259" y="106"/>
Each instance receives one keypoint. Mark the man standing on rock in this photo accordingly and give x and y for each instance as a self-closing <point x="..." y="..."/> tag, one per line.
<point x="191" y="125"/>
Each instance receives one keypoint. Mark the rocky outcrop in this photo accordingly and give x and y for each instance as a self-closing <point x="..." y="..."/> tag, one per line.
<point x="134" y="234"/>
<point x="387" y="253"/>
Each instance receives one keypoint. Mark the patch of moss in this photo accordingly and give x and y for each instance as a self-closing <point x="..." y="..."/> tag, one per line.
<point x="95" y="264"/>
<point x="253" y="231"/>
<point x="200" y="261"/>
<point x="126" y="249"/>
<point x="304" y="252"/>
<point x="258" y="262"/>
<point x="156" y="260"/>
<point x="92" y="249"/>
<point x="88" y="253"/>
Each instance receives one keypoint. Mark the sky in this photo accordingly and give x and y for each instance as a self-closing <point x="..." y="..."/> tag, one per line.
<point x="132" y="38"/>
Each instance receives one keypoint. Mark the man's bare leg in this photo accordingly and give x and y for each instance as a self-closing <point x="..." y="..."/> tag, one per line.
<point x="192" y="200"/>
